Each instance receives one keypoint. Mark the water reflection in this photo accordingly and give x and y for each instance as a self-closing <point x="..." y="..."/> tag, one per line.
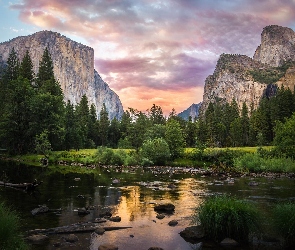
<point x="133" y="199"/>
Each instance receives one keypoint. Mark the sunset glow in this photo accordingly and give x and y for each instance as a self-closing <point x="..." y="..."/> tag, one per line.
<point x="152" y="51"/>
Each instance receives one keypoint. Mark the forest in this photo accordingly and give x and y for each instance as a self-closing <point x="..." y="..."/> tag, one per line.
<point x="33" y="114"/>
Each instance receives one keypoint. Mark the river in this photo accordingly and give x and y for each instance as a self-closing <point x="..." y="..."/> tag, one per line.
<point x="133" y="199"/>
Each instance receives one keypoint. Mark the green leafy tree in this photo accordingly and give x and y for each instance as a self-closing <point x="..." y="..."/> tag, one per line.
<point x="156" y="151"/>
<point x="285" y="137"/>
<point x="175" y="138"/>
<point x="43" y="145"/>
<point x="138" y="129"/>
<point x="155" y="131"/>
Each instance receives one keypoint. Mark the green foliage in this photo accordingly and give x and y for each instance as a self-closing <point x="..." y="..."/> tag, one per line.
<point x="284" y="222"/>
<point x="255" y="163"/>
<point x="45" y="69"/>
<point x="285" y="137"/>
<point x="26" y="68"/>
<point x="226" y="217"/>
<point x="10" y="238"/>
<point x="43" y="145"/>
<point x="175" y="138"/>
<point x="155" y="151"/>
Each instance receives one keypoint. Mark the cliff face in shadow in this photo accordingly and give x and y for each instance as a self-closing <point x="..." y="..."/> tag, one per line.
<point x="73" y="67"/>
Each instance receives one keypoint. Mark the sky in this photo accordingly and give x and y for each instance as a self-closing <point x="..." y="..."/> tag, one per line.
<point x="152" y="51"/>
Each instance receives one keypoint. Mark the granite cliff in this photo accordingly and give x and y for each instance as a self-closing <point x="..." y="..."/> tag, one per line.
<point x="192" y="111"/>
<point x="73" y="67"/>
<point x="247" y="79"/>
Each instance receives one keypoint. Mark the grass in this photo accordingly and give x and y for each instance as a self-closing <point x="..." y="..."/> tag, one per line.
<point x="256" y="163"/>
<point x="284" y="222"/>
<point x="10" y="237"/>
<point x="227" y="217"/>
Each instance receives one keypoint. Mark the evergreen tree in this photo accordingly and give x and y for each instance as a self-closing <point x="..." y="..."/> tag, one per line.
<point x="245" y="125"/>
<point x="12" y="69"/>
<point x="26" y="68"/>
<point x="104" y="124"/>
<point x="93" y="125"/>
<point x="155" y="114"/>
<point x="114" y="133"/>
<point x="82" y="116"/>
<point x="190" y="133"/>
<point x="15" y="129"/>
<point x="45" y="68"/>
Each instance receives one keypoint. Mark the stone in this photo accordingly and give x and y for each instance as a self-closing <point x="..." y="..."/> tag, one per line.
<point x="38" y="239"/>
<point x="40" y="210"/>
<point x="73" y="66"/>
<point x="115" y="219"/>
<point x="228" y="242"/>
<point x="155" y="248"/>
<point x="100" y="231"/>
<point x="72" y="238"/>
<point x="100" y="220"/>
<point x="107" y="247"/>
<point x="83" y="211"/>
<point x="167" y="207"/>
<point x="173" y="223"/>
<point x="160" y="216"/>
<point x="193" y="233"/>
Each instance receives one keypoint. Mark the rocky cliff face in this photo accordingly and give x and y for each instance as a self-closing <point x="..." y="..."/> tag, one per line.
<point x="192" y="111"/>
<point x="73" y="67"/>
<point x="233" y="77"/>
<point x="277" y="46"/>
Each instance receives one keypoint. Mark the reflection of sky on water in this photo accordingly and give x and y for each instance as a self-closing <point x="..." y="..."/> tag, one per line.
<point x="132" y="199"/>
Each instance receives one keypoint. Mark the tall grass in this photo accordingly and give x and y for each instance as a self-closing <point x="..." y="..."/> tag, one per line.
<point x="284" y="222"/>
<point x="10" y="238"/>
<point x="224" y="216"/>
<point x="256" y="163"/>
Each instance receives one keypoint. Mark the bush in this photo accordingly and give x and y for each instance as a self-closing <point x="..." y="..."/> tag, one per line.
<point x="223" y="216"/>
<point x="10" y="237"/>
<point x="256" y="163"/>
<point x="155" y="151"/>
<point x="284" y="222"/>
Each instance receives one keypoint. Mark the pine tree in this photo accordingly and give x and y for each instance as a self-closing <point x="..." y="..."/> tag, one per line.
<point x="45" y="68"/>
<point x="104" y="124"/>
<point x="12" y="70"/>
<point x="26" y="68"/>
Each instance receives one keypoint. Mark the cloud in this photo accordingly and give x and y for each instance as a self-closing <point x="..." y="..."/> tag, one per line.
<point x="155" y="49"/>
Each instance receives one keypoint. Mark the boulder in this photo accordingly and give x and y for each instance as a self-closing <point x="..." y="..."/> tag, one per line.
<point x="167" y="207"/>
<point x="228" y="242"/>
<point x="160" y="216"/>
<point x="193" y="233"/>
<point x="107" y="247"/>
<point x="40" y="210"/>
<point x="100" y="231"/>
<point x="173" y="223"/>
<point x="83" y="211"/>
<point x="115" y="219"/>
<point x="72" y="238"/>
<point x="38" y="239"/>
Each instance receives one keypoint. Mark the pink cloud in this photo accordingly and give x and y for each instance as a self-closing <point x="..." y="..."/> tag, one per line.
<point x="151" y="50"/>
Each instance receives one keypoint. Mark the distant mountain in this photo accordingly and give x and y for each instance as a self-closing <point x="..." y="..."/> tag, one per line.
<point x="73" y="66"/>
<point x="192" y="111"/>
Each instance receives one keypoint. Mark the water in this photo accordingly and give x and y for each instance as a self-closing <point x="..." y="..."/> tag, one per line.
<point x="133" y="199"/>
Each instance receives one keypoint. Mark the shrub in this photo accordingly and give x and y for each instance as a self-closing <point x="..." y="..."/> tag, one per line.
<point x="10" y="237"/>
<point x="256" y="163"/>
<point x="223" y="216"/>
<point x="155" y="151"/>
<point x="284" y="222"/>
